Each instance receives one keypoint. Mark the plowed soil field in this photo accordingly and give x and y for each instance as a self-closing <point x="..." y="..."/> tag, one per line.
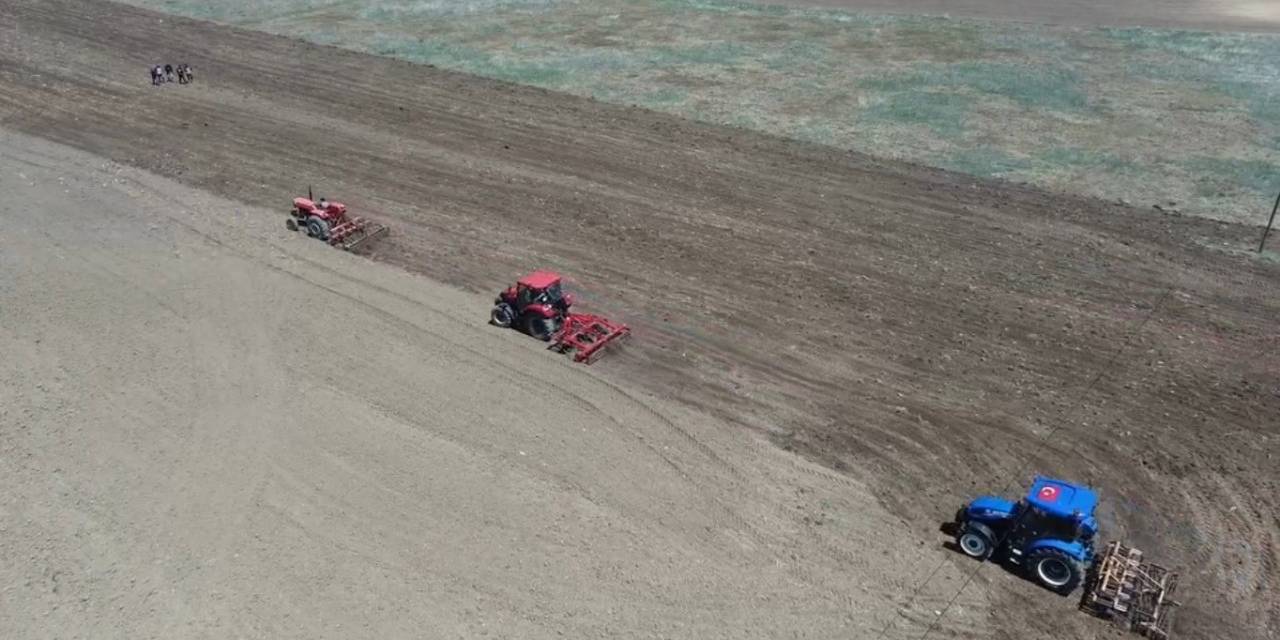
<point x="914" y="336"/>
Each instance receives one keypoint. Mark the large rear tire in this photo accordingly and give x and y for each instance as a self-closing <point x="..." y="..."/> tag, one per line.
<point x="976" y="540"/>
<point x="318" y="228"/>
<point x="540" y="327"/>
<point x="1055" y="570"/>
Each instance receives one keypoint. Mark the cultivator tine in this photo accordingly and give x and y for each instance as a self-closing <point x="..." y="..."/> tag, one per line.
<point x="1133" y="592"/>
<point x="597" y="349"/>
<point x="354" y="233"/>
<point x="363" y="235"/>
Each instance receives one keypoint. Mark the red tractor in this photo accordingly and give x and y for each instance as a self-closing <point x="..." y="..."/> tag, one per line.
<point x="537" y="305"/>
<point x="328" y="221"/>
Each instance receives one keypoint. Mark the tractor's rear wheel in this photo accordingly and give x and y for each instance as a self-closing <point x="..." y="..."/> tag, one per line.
<point x="503" y="315"/>
<point x="540" y="327"/>
<point x="1056" y="570"/>
<point x="318" y="228"/>
<point x="976" y="540"/>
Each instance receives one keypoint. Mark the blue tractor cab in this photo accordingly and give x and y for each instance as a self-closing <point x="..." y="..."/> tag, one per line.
<point x="1050" y="532"/>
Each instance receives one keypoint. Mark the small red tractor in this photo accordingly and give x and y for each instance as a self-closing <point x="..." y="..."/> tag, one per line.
<point x="328" y="221"/>
<point x="537" y="305"/>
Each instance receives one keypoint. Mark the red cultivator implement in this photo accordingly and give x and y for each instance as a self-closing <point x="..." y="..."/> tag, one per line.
<point x="536" y="305"/>
<point x="328" y="221"/>
<point x="585" y="335"/>
<point x="355" y="232"/>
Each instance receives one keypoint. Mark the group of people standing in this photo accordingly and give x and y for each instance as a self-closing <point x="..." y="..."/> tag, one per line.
<point x="161" y="74"/>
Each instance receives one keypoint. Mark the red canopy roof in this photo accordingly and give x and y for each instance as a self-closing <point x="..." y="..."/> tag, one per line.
<point x="540" y="279"/>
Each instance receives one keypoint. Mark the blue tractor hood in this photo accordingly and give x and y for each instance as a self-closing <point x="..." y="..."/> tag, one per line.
<point x="1062" y="499"/>
<point x="991" y="508"/>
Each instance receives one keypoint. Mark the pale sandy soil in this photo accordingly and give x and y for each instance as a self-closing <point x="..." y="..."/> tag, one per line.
<point x="210" y="428"/>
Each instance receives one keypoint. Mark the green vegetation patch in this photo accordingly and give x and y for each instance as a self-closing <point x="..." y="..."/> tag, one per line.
<point x="1029" y="85"/>
<point x="1216" y="176"/>
<point x="942" y="112"/>
<point x="1084" y="158"/>
<point x="987" y="162"/>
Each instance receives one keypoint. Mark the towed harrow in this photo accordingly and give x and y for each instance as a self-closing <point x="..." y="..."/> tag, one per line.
<point x="586" y="335"/>
<point x="1134" y="593"/>
<point x="355" y="232"/>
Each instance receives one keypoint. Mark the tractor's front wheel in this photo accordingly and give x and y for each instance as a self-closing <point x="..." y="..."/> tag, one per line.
<point x="318" y="228"/>
<point x="502" y="315"/>
<point x="1056" y="570"/>
<point x="291" y="224"/>
<point x="976" y="540"/>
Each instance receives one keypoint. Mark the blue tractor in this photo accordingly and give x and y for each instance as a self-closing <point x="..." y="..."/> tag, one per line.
<point x="1050" y="532"/>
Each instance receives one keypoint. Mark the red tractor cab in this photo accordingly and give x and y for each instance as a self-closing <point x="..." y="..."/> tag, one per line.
<point x="538" y="305"/>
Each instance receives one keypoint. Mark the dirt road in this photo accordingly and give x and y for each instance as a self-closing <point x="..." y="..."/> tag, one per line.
<point x="928" y="336"/>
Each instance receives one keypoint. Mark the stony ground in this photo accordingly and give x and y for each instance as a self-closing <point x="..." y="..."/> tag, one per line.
<point x="922" y="335"/>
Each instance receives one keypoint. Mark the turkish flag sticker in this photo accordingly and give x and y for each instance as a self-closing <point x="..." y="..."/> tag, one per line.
<point x="1049" y="493"/>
